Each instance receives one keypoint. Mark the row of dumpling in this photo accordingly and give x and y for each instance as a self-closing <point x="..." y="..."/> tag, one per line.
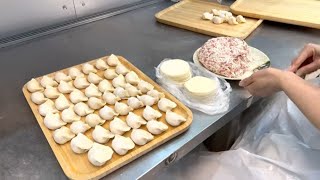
<point x="98" y="153"/>
<point x="221" y="16"/>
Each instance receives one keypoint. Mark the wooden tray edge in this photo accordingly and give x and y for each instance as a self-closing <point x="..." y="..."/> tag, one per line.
<point x="234" y="9"/>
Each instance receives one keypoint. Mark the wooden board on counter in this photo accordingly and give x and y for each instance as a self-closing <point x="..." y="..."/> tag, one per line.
<point x="187" y="15"/>
<point x="297" y="12"/>
<point x="77" y="166"/>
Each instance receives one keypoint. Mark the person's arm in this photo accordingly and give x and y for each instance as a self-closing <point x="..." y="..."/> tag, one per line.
<point x="305" y="95"/>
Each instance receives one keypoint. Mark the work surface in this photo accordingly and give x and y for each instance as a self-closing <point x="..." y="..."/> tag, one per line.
<point x="137" y="36"/>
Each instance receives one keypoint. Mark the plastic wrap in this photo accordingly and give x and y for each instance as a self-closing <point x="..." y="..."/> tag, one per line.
<point x="279" y="144"/>
<point x="213" y="105"/>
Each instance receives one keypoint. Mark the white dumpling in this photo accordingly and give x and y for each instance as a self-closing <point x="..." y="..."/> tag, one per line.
<point x="121" y="69"/>
<point x="174" y="119"/>
<point x="105" y="85"/>
<point x="81" y="82"/>
<point x="52" y="121"/>
<point x="48" y="81"/>
<point x="141" y="137"/>
<point x="122" y="108"/>
<point x="110" y="74"/>
<point x="241" y="19"/>
<point x="81" y="144"/>
<point x="94" y="119"/>
<point x="62" y="135"/>
<point x="121" y="93"/>
<point x="117" y="126"/>
<point x="119" y="81"/>
<point x="144" y="86"/>
<point x="65" y="87"/>
<point x="51" y="92"/>
<point x="107" y="113"/>
<point x="165" y="104"/>
<point x="132" y="78"/>
<point x="132" y="90"/>
<point x="82" y="109"/>
<point x="121" y="145"/>
<point x="135" y="103"/>
<point x="68" y="115"/>
<point x="135" y="121"/>
<point x="217" y="20"/>
<point x="74" y="73"/>
<point x="92" y="91"/>
<point x="232" y="21"/>
<point x="215" y="12"/>
<point x="156" y="94"/>
<point x="112" y="60"/>
<point x="147" y="100"/>
<point x="101" y="64"/>
<point x="96" y="103"/>
<point x="77" y="96"/>
<point x="110" y="98"/>
<point x="94" y="78"/>
<point x="101" y="135"/>
<point x="207" y="16"/>
<point x="79" y="127"/>
<point x="38" y="97"/>
<point x="60" y="76"/>
<point x="156" y="127"/>
<point x="47" y="107"/>
<point x="33" y="85"/>
<point x="62" y="103"/>
<point x="99" y="154"/>
<point x="88" y="68"/>
<point x="149" y="113"/>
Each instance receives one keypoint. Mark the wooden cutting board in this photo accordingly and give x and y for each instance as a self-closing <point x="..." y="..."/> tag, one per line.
<point x="298" y="12"/>
<point x="77" y="166"/>
<point x="187" y="15"/>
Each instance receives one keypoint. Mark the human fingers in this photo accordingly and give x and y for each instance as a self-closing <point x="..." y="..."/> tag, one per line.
<point x="245" y="82"/>
<point x="306" y="52"/>
<point x="308" y="69"/>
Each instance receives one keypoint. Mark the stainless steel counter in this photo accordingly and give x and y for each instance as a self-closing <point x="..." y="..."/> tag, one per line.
<point x="24" y="152"/>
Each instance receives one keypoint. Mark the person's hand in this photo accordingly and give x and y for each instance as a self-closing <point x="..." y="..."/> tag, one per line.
<point x="307" y="61"/>
<point x="264" y="82"/>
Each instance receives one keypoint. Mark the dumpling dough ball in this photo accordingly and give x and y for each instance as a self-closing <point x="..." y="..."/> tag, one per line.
<point x="62" y="135"/>
<point x="99" y="154"/>
<point x="201" y="87"/>
<point x="217" y="20"/>
<point x="33" y="85"/>
<point x="141" y="137"/>
<point x="81" y="144"/>
<point x="207" y="16"/>
<point x="156" y="127"/>
<point x="122" y="145"/>
<point x="232" y="21"/>
<point x="101" y="135"/>
<point x="215" y="12"/>
<point x="117" y="126"/>
<point x="241" y="19"/>
<point x="38" y="97"/>
<point x="112" y="60"/>
<point x="174" y="119"/>
<point x="176" y="70"/>
<point x="88" y="68"/>
<point x="165" y="104"/>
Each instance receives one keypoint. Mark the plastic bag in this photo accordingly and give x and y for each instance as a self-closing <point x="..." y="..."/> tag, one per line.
<point x="279" y="144"/>
<point x="213" y="105"/>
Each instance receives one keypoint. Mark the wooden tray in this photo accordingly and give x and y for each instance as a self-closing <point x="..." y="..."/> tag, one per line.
<point x="77" y="166"/>
<point x="298" y="12"/>
<point x="187" y="15"/>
